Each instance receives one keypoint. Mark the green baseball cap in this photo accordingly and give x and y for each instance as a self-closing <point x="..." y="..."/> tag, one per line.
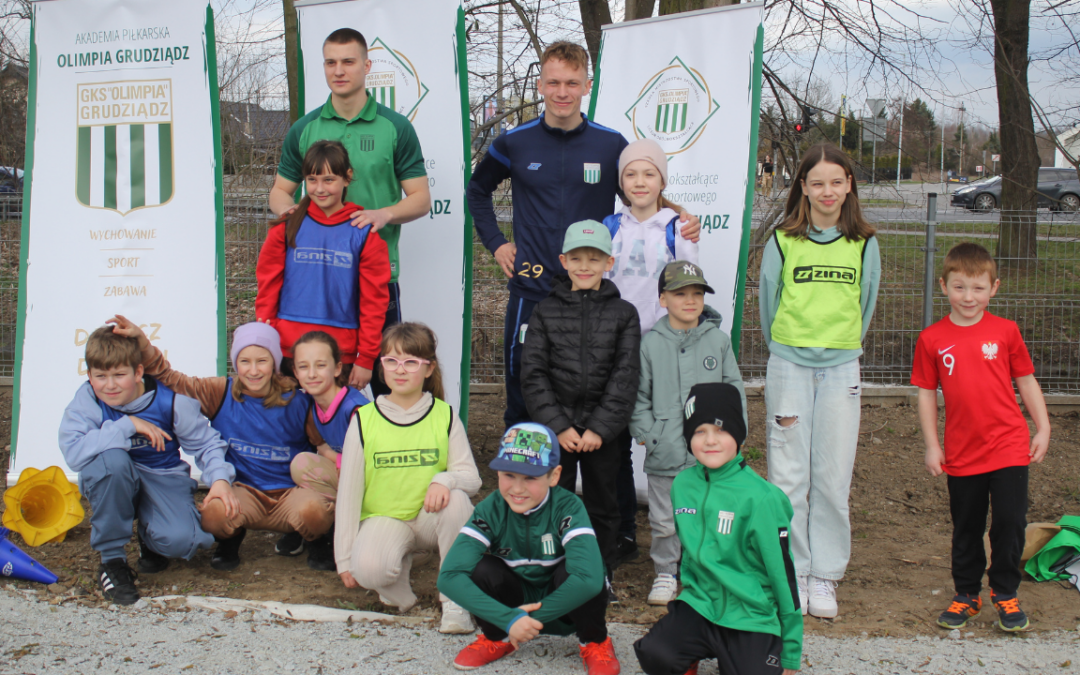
<point x="587" y="233"/>
<point x="680" y="274"/>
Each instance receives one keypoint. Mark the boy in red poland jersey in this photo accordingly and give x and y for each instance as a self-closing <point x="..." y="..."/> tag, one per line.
<point x="975" y="356"/>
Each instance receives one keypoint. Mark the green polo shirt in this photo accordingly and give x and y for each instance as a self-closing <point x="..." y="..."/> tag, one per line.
<point x="383" y="150"/>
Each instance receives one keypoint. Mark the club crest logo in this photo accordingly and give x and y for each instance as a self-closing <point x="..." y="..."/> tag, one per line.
<point x="724" y="522"/>
<point x="592" y="173"/>
<point x="393" y="80"/>
<point x="990" y="350"/>
<point x="710" y="363"/>
<point x="124" y="148"/>
<point x="673" y="108"/>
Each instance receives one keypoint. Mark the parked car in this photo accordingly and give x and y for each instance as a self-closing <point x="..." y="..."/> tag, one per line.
<point x="1059" y="190"/>
<point x="11" y="179"/>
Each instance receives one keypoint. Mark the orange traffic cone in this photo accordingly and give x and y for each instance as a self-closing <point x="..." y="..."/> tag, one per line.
<point x="15" y="563"/>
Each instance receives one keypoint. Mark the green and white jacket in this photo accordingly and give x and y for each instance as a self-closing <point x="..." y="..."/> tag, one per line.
<point x="736" y="569"/>
<point x="532" y="544"/>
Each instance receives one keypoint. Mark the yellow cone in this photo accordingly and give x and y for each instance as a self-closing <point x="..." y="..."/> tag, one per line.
<point x="42" y="506"/>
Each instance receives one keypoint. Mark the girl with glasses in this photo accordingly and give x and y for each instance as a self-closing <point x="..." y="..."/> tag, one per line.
<point x="407" y="473"/>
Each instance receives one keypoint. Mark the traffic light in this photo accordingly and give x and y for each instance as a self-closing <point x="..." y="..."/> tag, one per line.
<point x="804" y="125"/>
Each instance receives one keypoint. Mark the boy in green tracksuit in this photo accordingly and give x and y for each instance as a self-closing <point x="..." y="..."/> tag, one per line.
<point x="684" y="348"/>
<point x="740" y="602"/>
<point x="527" y="562"/>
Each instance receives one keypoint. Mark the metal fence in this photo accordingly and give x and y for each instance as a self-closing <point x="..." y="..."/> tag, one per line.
<point x="1042" y="295"/>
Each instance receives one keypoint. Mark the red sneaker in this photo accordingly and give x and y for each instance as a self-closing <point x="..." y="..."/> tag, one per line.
<point x="599" y="658"/>
<point x="693" y="668"/>
<point x="482" y="652"/>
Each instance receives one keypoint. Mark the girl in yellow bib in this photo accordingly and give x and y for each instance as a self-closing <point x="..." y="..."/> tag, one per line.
<point x="819" y="280"/>
<point x="407" y="473"/>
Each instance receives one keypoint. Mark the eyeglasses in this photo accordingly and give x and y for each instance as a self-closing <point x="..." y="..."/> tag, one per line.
<point x="410" y="365"/>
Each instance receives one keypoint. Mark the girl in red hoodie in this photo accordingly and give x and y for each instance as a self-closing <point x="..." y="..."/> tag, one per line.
<point x="315" y="272"/>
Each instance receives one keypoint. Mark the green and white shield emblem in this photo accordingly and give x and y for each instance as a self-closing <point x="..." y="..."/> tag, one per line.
<point x="124" y="156"/>
<point x="592" y="173"/>
<point x="393" y="80"/>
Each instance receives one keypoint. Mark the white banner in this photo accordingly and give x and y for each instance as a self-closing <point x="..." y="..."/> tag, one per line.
<point x="691" y="90"/>
<point x="413" y="50"/>
<point x="121" y="203"/>
<point x="687" y="81"/>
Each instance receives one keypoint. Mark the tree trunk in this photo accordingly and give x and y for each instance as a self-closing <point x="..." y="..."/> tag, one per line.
<point x="676" y="6"/>
<point x="594" y="13"/>
<point x="639" y="9"/>
<point x="1019" y="153"/>
<point x="292" y="68"/>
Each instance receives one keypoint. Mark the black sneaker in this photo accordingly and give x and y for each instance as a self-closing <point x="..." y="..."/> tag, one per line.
<point x="963" y="607"/>
<point x="627" y="550"/>
<point x="117" y="581"/>
<point x="290" y="545"/>
<point x="1010" y="617"/>
<point x="150" y="561"/>
<point x="321" y="553"/>
<point x="227" y="554"/>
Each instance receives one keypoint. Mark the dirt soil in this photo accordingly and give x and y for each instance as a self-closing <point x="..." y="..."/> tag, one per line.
<point x="897" y="583"/>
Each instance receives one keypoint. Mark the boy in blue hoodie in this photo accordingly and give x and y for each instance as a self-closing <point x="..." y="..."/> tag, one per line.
<point x="122" y="432"/>
<point x="740" y="599"/>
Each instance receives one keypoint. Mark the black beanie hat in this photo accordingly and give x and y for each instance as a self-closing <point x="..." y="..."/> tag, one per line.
<point x="716" y="403"/>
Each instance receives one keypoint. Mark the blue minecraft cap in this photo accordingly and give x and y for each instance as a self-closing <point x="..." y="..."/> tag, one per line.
<point x="527" y="448"/>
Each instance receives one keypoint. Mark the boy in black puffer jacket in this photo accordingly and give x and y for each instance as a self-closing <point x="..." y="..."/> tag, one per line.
<point x="579" y="373"/>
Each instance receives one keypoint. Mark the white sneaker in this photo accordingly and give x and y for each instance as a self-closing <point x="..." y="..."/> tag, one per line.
<point x="455" y="620"/>
<point x="823" y="598"/>
<point x="664" y="589"/>
<point x="804" y="591"/>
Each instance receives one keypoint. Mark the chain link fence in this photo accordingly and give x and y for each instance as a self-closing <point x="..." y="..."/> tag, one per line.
<point x="1041" y="294"/>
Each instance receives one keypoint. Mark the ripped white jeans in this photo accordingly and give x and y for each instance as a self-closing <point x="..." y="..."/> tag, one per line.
<point x="811" y="458"/>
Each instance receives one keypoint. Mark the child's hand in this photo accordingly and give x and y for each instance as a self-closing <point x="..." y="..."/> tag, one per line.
<point x="590" y="441"/>
<point x="326" y="452"/>
<point x="935" y="457"/>
<point x="123" y="326"/>
<point x="526" y="628"/>
<point x="569" y="440"/>
<point x="223" y="491"/>
<point x="789" y="671"/>
<point x="691" y="231"/>
<point x="153" y="433"/>
<point x="359" y="377"/>
<point x="347" y="579"/>
<point x="1040" y="443"/>
<point x="437" y="497"/>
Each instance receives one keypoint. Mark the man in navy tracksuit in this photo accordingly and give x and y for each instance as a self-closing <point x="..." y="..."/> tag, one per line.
<point x="564" y="169"/>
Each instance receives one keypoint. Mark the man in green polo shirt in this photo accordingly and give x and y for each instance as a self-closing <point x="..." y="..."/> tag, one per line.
<point x="383" y="150"/>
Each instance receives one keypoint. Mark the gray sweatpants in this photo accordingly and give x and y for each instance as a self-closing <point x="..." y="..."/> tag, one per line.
<point x="120" y="491"/>
<point x="665" y="549"/>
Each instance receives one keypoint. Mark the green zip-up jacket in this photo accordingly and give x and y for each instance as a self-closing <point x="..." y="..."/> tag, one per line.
<point x="672" y="361"/>
<point x="532" y="544"/>
<point x="736" y="568"/>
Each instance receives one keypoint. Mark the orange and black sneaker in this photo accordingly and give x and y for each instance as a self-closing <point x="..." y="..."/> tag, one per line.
<point x="482" y="652"/>
<point x="1010" y="617"/>
<point x="963" y="607"/>
<point x="599" y="658"/>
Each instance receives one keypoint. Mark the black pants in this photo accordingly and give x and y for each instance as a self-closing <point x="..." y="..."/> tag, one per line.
<point x="393" y="317"/>
<point x="599" y="477"/>
<point x="495" y="578"/>
<point x="683" y="637"/>
<point x="1005" y="491"/>
<point x="626" y="489"/>
<point x="518" y="312"/>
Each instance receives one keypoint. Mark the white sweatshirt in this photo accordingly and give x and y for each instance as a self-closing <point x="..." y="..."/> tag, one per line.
<point x="641" y="252"/>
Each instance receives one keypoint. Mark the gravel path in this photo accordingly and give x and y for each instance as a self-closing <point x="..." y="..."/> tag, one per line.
<point x="39" y="637"/>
